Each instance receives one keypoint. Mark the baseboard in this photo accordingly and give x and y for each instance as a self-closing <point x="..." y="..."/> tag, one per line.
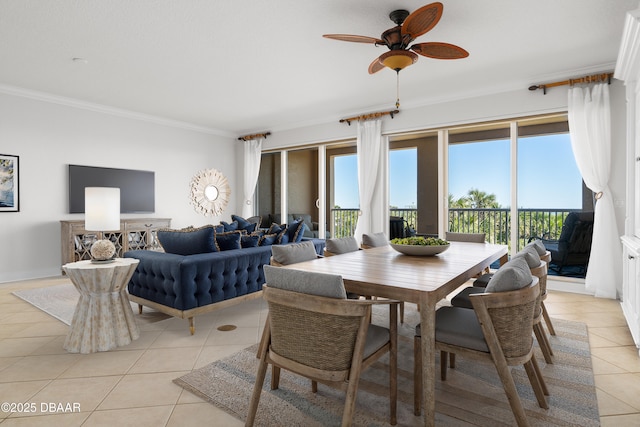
<point x="567" y="284"/>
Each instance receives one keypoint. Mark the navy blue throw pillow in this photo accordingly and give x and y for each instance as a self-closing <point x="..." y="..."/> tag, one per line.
<point x="267" y="240"/>
<point x="233" y="226"/>
<point x="296" y="231"/>
<point x="275" y="228"/>
<point x="249" y="240"/>
<point x="243" y="224"/>
<point x="228" y="241"/>
<point x="189" y="241"/>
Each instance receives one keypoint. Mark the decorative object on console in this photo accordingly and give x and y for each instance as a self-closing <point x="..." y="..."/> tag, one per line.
<point x="9" y="195"/>
<point x="209" y="192"/>
<point x="102" y="213"/>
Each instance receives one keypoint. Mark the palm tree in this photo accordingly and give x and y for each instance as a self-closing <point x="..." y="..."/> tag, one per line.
<point x="480" y="199"/>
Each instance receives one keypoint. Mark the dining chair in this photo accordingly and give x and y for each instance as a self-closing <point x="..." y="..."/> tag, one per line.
<point x="538" y="268"/>
<point x="498" y="329"/>
<point x="305" y="311"/>
<point x="374" y="240"/>
<point x="293" y="253"/>
<point x="465" y="237"/>
<point x="341" y="245"/>
<point x="545" y="255"/>
<point x="377" y="240"/>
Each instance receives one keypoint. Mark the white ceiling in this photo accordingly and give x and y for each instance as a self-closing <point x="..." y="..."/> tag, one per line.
<point x="238" y="67"/>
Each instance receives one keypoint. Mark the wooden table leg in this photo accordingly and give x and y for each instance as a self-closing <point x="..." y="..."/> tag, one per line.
<point x="427" y="322"/>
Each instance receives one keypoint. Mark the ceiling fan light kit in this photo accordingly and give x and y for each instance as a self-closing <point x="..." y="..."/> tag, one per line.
<point x="398" y="59"/>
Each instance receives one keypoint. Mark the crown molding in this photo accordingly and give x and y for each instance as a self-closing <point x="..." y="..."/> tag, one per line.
<point x="105" y="109"/>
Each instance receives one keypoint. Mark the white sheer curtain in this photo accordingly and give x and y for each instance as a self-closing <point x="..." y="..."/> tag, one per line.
<point x="590" y="130"/>
<point x="372" y="177"/>
<point x="252" y="156"/>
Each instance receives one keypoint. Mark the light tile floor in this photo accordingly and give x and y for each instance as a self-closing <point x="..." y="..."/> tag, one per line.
<point x="133" y="384"/>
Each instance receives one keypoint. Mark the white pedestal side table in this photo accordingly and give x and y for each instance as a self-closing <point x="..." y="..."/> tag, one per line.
<point x="103" y="319"/>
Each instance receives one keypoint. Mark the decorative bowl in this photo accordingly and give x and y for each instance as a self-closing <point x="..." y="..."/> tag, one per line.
<point x="420" y="250"/>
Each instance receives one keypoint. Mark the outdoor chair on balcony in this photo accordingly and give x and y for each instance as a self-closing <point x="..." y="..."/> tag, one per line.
<point x="313" y="331"/>
<point x="574" y="245"/>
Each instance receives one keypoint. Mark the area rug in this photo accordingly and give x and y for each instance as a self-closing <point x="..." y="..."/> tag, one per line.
<point x="471" y="396"/>
<point x="60" y="302"/>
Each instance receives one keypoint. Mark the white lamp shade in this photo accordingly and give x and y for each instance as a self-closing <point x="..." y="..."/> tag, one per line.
<point x="101" y="208"/>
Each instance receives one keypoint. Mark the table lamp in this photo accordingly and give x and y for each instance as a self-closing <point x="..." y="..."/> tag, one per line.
<point x="102" y="213"/>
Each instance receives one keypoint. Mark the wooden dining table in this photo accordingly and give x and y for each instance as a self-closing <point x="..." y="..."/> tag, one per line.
<point x="423" y="280"/>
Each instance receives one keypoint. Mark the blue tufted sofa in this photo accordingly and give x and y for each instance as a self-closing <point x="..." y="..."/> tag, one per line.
<point x="188" y="285"/>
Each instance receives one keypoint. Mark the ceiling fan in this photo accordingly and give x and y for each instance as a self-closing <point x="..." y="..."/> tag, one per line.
<point x="409" y="26"/>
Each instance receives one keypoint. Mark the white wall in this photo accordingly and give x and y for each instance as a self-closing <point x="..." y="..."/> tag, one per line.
<point x="49" y="136"/>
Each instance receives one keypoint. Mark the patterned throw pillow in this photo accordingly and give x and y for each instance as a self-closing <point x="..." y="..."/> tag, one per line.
<point x="188" y="241"/>
<point x="229" y="241"/>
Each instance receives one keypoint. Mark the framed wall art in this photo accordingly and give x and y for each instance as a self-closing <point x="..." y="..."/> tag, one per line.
<point x="9" y="183"/>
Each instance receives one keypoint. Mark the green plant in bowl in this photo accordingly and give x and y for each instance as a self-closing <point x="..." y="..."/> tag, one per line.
<point x="419" y="246"/>
<point x="419" y="241"/>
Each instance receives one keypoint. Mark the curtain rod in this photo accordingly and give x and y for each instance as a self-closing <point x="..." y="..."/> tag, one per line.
<point x="369" y="116"/>
<point x="254" y="136"/>
<point x="595" y="78"/>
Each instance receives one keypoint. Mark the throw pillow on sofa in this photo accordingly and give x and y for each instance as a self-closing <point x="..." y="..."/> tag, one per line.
<point x="267" y="239"/>
<point x="188" y="241"/>
<point x="281" y="232"/>
<point x="229" y="240"/>
<point x="250" y="240"/>
<point x="232" y="226"/>
<point x="296" y="231"/>
<point x="245" y="224"/>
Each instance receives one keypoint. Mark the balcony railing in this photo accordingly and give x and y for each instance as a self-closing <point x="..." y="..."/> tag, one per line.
<point x="495" y="223"/>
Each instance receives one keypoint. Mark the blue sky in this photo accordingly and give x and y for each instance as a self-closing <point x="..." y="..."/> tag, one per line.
<point x="547" y="173"/>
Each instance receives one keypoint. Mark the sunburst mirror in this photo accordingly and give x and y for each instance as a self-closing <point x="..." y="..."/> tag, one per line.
<point x="209" y="192"/>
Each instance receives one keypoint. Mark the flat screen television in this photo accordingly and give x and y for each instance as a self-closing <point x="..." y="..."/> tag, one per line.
<point x="137" y="188"/>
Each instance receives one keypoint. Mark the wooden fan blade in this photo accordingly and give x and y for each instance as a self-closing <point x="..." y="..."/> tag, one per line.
<point x="376" y="66"/>
<point x="439" y="50"/>
<point x="353" y="38"/>
<point x="422" y="20"/>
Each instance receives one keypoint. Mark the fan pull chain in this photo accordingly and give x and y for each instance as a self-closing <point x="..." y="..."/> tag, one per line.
<point x="397" y="89"/>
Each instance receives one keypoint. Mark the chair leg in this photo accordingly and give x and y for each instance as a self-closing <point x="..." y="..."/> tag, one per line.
<point x="547" y="319"/>
<point x="402" y="312"/>
<point x="542" y="342"/>
<point x="275" y="377"/>
<point x="535" y="384"/>
<point x="257" y="390"/>
<point x="452" y="360"/>
<point x="417" y="376"/>
<point x="536" y="367"/>
<point x="443" y="365"/>
<point x="314" y="386"/>
<point x="512" y="393"/>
